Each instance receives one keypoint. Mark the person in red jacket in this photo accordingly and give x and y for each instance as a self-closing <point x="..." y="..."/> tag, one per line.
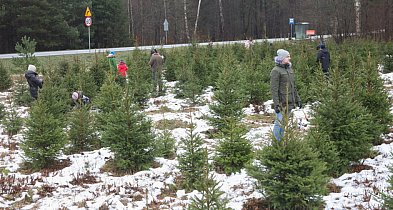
<point x="122" y="68"/>
<point x="122" y="73"/>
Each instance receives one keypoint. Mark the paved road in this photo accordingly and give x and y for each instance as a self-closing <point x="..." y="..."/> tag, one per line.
<point x="122" y="49"/>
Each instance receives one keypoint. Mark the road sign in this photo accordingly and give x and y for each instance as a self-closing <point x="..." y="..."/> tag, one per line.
<point x="87" y="12"/>
<point x="166" y="24"/>
<point x="291" y="21"/>
<point x="88" y="21"/>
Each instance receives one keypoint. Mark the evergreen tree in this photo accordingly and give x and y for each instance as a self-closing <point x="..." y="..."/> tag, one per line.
<point x="26" y="50"/>
<point x="129" y="134"/>
<point x="192" y="160"/>
<point x="32" y="20"/>
<point x="98" y="70"/>
<point x="12" y="121"/>
<point x="388" y="198"/>
<point x="374" y="98"/>
<point x="109" y="16"/>
<point x="139" y="77"/>
<point x="5" y="78"/>
<point x="55" y="97"/>
<point x="82" y="133"/>
<point x="108" y="100"/>
<point x="3" y="111"/>
<point x="346" y="124"/>
<point x="210" y="189"/>
<point x="44" y="137"/>
<point x="258" y="79"/>
<point x="75" y="77"/>
<point x="233" y="150"/>
<point x="21" y="94"/>
<point x="165" y="145"/>
<point x="289" y="173"/>
<point x="230" y="95"/>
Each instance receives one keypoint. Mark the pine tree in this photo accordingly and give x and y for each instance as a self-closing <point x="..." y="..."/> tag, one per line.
<point x="5" y="79"/>
<point x="129" y="135"/>
<point x="191" y="160"/>
<point x="26" y="50"/>
<point x="210" y="189"/>
<point x="230" y="94"/>
<point x="290" y="173"/>
<point x="82" y="133"/>
<point x="233" y="151"/>
<point x="44" y="137"/>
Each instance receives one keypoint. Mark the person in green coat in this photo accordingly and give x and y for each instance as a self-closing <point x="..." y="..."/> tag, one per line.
<point x="112" y="62"/>
<point x="283" y="90"/>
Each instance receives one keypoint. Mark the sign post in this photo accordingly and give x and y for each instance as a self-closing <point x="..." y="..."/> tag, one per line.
<point x="88" y="22"/>
<point x="166" y="29"/>
<point x="291" y="22"/>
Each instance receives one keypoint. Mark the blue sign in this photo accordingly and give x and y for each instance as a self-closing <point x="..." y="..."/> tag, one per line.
<point x="291" y="21"/>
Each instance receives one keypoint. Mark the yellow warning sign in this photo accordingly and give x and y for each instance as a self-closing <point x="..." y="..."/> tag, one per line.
<point x="87" y="13"/>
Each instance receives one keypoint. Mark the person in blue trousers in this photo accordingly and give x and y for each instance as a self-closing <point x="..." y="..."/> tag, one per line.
<point x="283" y="90"/>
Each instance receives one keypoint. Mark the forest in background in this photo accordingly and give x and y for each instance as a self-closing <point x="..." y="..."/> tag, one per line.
<point x="58" y="25"/>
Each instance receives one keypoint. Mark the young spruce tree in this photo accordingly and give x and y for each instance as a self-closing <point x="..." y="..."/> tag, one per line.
<point x="5" y="78"/>
<point x="129" y="135"/>
<point x="211" y="193"/>
<point x="230" y="95"/>
<point x="192" y="160"/>
<point x="346" y="124"/>
<point x="289" y="173"/>
<point x="44" y="137"/>
<point x="233" y="151"/>
<point x="82" y="132"/>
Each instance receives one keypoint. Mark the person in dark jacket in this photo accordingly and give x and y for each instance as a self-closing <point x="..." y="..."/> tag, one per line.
<point x="283" y="90"/>
<point x="33" y="81"/>
<point x="156" y="62"/>
<point x="323" y="57"/>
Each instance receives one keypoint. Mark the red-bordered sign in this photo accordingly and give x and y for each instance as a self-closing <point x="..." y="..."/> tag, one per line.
<point x="88" y="21"/>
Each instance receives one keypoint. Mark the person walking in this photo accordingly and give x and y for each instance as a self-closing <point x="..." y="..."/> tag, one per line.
<point x="323" y="58"/>
<point x="283" y="90"/>
<point x="156" y="62"/>
<point x="33" y="80"/>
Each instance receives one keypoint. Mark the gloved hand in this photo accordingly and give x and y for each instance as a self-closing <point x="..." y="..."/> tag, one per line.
<point x="299" y="104"/>
<point x="277" y="108"/>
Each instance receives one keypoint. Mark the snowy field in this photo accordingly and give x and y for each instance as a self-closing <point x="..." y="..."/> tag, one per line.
<point x="152" y="188"/>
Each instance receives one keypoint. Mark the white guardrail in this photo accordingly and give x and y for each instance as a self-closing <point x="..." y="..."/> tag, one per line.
<point x="122" y="49"/>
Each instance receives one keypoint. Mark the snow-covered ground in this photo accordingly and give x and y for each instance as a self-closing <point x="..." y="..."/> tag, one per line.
<point x="154" y="187"/>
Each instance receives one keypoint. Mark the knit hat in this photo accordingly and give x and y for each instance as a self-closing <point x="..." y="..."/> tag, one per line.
<point x="31" y="68"/>
<point x="75" y="96"/>
<point x="281" y="54"/>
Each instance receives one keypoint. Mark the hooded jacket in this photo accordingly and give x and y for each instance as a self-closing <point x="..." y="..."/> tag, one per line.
<point x="282" y="85"/>
<point x="323" y="57"/>
<point x="122" y="69"/>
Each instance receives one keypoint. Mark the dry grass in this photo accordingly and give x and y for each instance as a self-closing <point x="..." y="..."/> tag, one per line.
<point x="171" y="124"/>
